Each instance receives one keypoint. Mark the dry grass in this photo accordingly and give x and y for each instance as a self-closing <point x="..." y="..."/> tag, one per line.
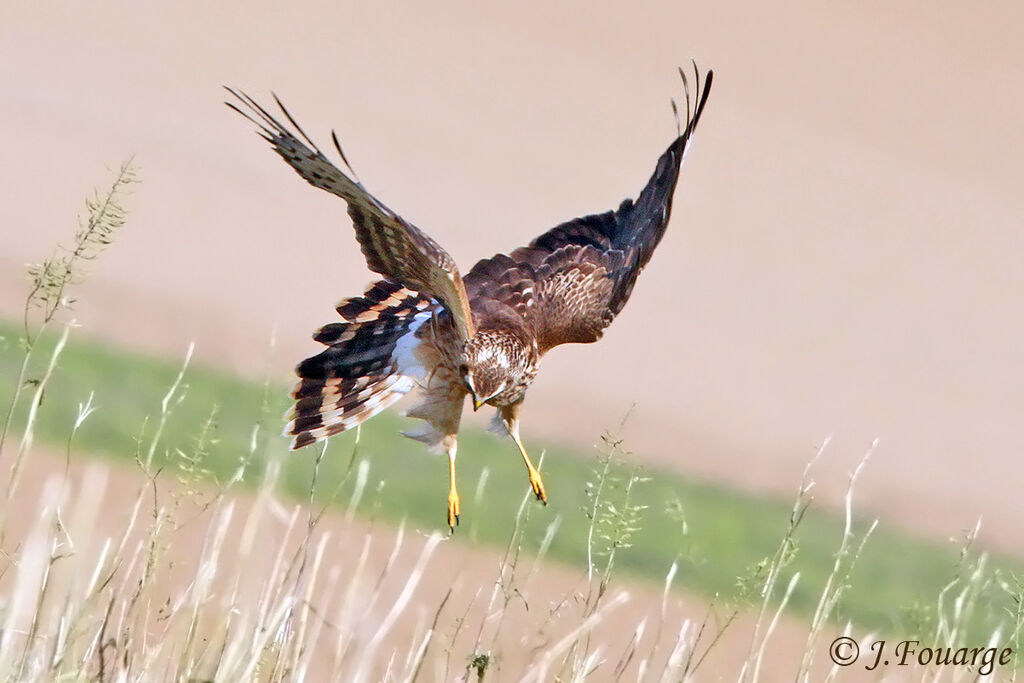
<point x="193" y="583"/>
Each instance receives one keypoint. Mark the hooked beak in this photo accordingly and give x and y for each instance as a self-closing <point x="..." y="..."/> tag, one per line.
<point x="472" y="392"/>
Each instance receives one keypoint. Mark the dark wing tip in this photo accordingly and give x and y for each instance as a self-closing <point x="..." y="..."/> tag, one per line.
<point x="256" y="114"/>
<point x="294" y="123"/>
<point x="694" y="107"/>
<point x="341" y="153"/>
<point x="703" y="94"/>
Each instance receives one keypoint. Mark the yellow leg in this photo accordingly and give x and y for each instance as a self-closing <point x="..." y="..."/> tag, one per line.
<point x="535" y="481"/>
<point x="453" y="495"/>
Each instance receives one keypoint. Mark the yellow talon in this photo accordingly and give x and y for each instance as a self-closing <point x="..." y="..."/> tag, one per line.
<point x="538" y="486"/>
<point x="510" y="418"/>
<point x="453" y="494"/>
<point x="453" y="510"/>
<point x="535" y="481"/>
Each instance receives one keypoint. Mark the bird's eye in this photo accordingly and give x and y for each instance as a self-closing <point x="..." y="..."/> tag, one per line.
<point x="463" y="369"/>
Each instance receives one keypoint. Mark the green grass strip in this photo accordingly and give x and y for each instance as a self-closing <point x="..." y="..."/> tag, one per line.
<point x="725" y="536"/>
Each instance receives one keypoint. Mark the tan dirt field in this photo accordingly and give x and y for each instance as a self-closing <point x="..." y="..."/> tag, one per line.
<point x="844" y="257"/>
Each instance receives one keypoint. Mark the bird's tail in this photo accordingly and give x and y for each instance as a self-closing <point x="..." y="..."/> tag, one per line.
<point x="368" y="365"/>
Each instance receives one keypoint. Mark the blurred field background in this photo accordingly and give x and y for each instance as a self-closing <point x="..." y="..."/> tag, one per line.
<point x="844" y="258"/>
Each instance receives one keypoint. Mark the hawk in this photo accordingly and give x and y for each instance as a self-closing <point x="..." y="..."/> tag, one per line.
<point x="482" y="335"/>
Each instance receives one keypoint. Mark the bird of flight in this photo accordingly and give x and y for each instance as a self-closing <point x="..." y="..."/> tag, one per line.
<point x="482" y="335"/>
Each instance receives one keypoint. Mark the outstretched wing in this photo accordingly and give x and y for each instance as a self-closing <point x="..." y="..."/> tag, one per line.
<point x="571" y="282"/>
<point x="392" y="246"/>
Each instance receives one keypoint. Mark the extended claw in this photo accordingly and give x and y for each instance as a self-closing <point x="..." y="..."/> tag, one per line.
<point x="453" y="511"/>
<point x="538" y="486"/>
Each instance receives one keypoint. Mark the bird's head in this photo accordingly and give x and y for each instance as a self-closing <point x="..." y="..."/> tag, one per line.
<point x="485" y="368"/>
